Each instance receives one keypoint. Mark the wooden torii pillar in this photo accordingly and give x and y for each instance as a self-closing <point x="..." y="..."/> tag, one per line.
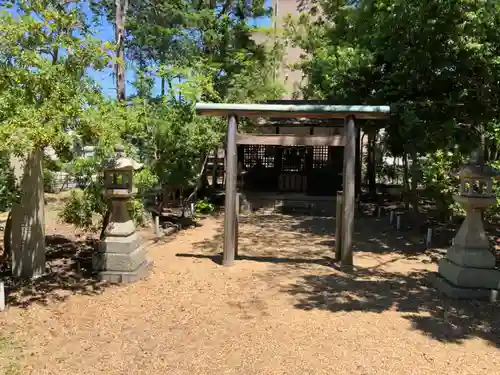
<point x="348" y="113"/>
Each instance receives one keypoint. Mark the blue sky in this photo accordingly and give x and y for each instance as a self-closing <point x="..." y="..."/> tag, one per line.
<point x="104" y="31"/>
<point x="105" y="79"/>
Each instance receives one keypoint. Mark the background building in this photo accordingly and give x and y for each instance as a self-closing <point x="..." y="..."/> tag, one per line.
<point x="289" y="77"/>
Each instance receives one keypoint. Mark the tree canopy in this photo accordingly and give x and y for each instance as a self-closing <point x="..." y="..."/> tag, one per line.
<point x="436" y="63"/>
<point x="45" y="51"/>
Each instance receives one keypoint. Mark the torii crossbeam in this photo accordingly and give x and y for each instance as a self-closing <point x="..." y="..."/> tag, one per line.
<point x="349" y="113"/>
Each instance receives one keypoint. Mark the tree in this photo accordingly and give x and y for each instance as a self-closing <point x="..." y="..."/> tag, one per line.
<point x="45" y="49"/>
<point x="181" y="34"/>
<point x="121" y="9"/>
<point x="170" y="139"/>
<point x="436" y="63"/>
<point x="199" y="51"/>
<point x="213" y="40"/>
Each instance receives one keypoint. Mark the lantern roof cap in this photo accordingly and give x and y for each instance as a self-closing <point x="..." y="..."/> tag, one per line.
<point x="119" y="148"/>
<point x="121" y="161"/>
<point x="125" y="163"/>
<point x="476" y="168"/>
<point x="478" y="171"/>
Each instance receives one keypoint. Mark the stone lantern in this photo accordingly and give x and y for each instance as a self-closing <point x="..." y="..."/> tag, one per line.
<point x="468" y="270"/>
<point x="120" y="257"/>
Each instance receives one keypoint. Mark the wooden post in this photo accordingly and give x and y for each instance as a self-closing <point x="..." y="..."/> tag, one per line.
<point x="349" y="191"/>
<point x="428" y="238"/>
<point x="156" y="224"/>
<point x="230" y="237"/>
<point x="359" y="155"/>
<point x="2" y="296"/>
<point x="236" y="224"/>
<point x="338" y="226"/>
<point x="371" y="163"/>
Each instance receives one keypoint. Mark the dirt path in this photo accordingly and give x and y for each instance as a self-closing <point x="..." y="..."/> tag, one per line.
<point x="282" y="309"/>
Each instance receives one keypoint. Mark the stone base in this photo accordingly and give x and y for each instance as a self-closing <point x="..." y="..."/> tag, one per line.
<point x="453" y="291"/>
<point x="474" y="258"/>
<point x="119" y="244"/>
<point x="127" y="277"/>
<point x="118" y="261"/>
<point x="468" y="277"/>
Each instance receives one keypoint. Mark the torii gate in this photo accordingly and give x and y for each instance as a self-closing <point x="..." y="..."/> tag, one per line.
<point x="349" y="113"/>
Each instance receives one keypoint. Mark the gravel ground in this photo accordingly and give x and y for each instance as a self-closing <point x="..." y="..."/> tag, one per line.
<point x="284" y="308"/>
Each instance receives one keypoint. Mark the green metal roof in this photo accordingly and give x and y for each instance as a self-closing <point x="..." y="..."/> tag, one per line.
<point x="293" y="110"/>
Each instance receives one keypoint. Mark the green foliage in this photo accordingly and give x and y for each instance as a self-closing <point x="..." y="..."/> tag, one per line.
<point x="435" y="63"/>
<point x="49" y="167"/>
<point x="82" y="206"/>
<point x="441" y="181"/>
<point x="172" y="142"/>
<point x="85" y="209"/>
<point x="213" y="38"/>
<point x="54" y="165"/>
<point x="48" y="180"/>
<point x="494" y="212"/>
<point x="84" y="169"/>
<point x="145" y="180"/>
<point x="8" y="191"/>
<point x="44" y="53"/>
<point x="199" y="52"/>
<point x="47" y="97"/>
<point x="204" y="206"/>
<point x="78" y="210"/>
<point x="136" y="211"/>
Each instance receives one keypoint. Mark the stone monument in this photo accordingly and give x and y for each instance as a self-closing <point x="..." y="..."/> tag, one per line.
<point x="468" y="270"/>
<point x="121" y="257"/>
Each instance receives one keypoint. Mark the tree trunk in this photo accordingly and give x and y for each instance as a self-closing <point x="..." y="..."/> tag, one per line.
<point x="120" y="17"/>
<point x="166" y="197"/>
<point x="201" y="180"/>
<point x="121" y="8"/>
<point x="406" y="182"/>
<point x="28" y="222"/>
<point x="162" y="87"/>
<point x="371" y="164"/>
<point x="415" y="175"/>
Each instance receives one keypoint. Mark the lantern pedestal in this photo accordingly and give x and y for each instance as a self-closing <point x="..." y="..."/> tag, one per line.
<point x="121" y="257"/>
<point x="468" y="271"/>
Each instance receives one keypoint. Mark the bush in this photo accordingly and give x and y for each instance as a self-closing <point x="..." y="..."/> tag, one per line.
<point x="78" y="210"/>
<point x="136" y="211"/>
<point x="48" y="180"/>
<point x="204" y="206"/>
<point x="441" y="181"/>
<point x="8" y="190"/>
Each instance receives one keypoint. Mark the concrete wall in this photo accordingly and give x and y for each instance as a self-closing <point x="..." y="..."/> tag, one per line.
<point x="290" y="78"/>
